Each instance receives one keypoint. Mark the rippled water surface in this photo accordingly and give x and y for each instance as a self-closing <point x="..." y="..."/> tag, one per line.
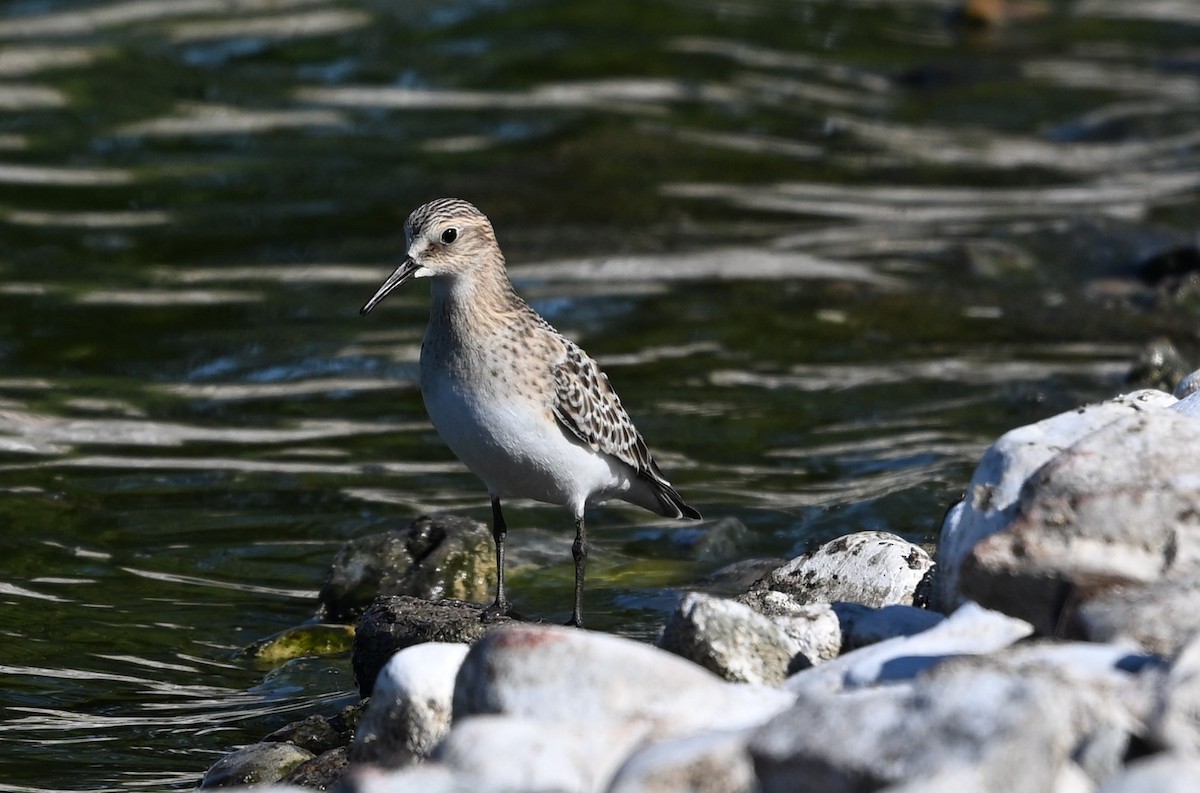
<point x="826" y="252"/>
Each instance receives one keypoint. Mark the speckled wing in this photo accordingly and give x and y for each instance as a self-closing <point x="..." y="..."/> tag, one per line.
<point x="589" y="407"/>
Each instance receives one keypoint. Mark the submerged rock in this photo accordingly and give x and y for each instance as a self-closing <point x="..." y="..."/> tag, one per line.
<point x="437" y="557"/>
<point x="302" y="641"/>
<point x="257" y="763"/>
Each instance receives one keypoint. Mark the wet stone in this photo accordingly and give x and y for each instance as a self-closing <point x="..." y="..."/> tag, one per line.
<point x="395" y="622"/>
<point x="319" y="734"/>
<point x="436" y="557"/>
<point x="255" y="764"/>
<point x="322" y="771"/>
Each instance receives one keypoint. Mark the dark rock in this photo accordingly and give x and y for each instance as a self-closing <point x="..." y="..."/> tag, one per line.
<point x="319" y="734"/>
<point x="436" y="557"/>
<point x="397" y="621"/>
<point x="1159" y="365"/>
<point x="255" y="764"/>
<point x="321" y="772"/>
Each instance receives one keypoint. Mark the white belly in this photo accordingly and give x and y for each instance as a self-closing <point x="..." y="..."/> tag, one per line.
<point x="517" y="447"/>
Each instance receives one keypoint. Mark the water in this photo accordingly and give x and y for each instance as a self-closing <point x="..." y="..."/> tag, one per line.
<point x="826" y="252"/>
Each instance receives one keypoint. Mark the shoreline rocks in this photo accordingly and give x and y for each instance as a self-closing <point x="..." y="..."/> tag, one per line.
<point x="1059" y="655"/>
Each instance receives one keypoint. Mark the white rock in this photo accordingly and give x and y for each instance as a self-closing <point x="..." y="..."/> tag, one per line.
<point x="1120" y="506"/>
<point x="425" y="778"/>
<point x="524" y="754"/>
<point x="708" y="762"/>
<point x="816" y="628"/>
<point x="410" y="705"/>
<point x="729" y="639"/>
<point x="969" y="630"/>
<point x="1006" y="729"/>
<point x="550" y="673"/>
<point x="873" y="568"/>
<point x="1165" y="773"/>
<point x="991" y="497"/>
<point x="1175" y="721"/>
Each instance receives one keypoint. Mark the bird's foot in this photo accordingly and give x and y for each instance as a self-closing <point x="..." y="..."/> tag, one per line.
<point x="497" y="611"/>
<point x="575" y="622"/>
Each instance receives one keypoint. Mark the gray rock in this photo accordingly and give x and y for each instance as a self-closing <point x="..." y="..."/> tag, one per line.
<point x="863" y="625"/>
<point x="1164" y="773"/>
<point x="1188" y="386"/>
<point x="393" y="623"/>
<point x="1005" y="728"/>
<point x="1175" y="720"/>
<point x="436" y="557"/>
<point x="255" y="764"/>
<point x="409" y="710"/>
<point x="971" y="630"/>
<point x="873" y="568"/>
<point x="525" y="754"/>
<point x="1160" y="617"/>
<point x="708" y="762"/>
<point x="1121" y="506"/>
<point x="991" y="497"/>
<point x="555" y="674"/>
<point x="730" y="639"/>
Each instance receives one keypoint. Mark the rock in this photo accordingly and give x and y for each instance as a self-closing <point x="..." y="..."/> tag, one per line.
<point x="321" y="772"/>
<point x="1004" y="728"/>
<point x="863" y="625"/>
<point x="873" y="568"/>
<point x="717" y="761"/>
<point x="436" y="557"/>
<point x="521" y="753"/>
<point x="1119" y="507"/>
<point x="302" y="641"/>
<point x="409" y="710"/>
<point x="426" y="778"/>
<point x="815" y="627"/>
<point x="971" y="630"/>
<point x="991" y="497"/>
<point x="255" y="764"/>
<point x="558" y="674"/>
<point x="395" y="622"/>
<point x="1174" y="723"/>
<point x="1163" y="773"/>
<point x="1159" y="617"/>
<point x="1187" y="386"/>
<point x="729" y="639"/>
<point x="319" y="734"/>
<point x="1189" y="403"/>
<point x="1158" y="365"/>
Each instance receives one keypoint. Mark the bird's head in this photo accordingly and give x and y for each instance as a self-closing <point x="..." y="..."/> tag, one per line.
<point x="446" y="238"/>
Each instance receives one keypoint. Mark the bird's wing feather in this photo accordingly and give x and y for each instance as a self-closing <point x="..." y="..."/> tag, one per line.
<point x="589" y="408"/>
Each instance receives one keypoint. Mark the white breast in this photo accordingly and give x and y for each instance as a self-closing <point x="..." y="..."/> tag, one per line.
<point x="516" y="446"/>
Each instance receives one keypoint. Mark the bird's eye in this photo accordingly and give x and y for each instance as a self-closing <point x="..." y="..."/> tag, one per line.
<point x="449" y="236"/>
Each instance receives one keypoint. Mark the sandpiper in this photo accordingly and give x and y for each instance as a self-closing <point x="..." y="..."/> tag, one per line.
<point x="524" y="408"/>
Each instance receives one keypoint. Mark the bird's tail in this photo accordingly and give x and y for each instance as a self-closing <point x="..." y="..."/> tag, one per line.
<point x="671" y="504"/>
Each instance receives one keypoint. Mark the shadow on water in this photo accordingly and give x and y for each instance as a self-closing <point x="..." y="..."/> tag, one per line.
<point x="826" y="252"/>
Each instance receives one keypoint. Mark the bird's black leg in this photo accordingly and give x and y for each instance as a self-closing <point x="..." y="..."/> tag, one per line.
<point x="499" y="532"/>
<point x="580" y="551"/>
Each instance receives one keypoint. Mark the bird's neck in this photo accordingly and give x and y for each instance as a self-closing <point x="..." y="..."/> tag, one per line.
<point x="470" y="304"/>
